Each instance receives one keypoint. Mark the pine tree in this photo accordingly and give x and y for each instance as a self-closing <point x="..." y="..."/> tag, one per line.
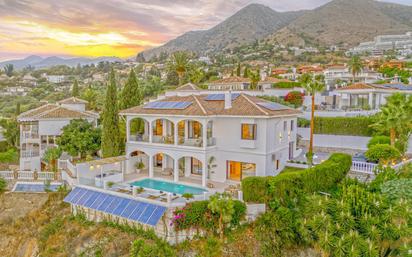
<point x="110" y="120"/>
<point x="238" y="69"/>
<point x="18" y="109"/>
<point x="75" y="89"/>
<point x="131" y="94"/>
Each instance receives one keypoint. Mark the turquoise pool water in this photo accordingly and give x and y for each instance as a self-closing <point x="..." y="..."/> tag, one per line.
<point x="168" y="186"/>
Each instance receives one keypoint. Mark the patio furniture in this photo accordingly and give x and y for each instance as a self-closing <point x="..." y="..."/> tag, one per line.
<point x="167" y="172"/>
<point x="156" y="196"/>
<point x="210" y="185"/>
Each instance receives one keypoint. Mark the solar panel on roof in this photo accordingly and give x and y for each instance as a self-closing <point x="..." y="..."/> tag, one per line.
<point x="116" y="205"/>
<point x="220" y="97"/>
<point x="273" y="106"/>
<point x="167" y="105"/>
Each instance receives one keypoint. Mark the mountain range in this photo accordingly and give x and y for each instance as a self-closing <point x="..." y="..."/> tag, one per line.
<point x="339" y="22"/>
<point x="40" y="62"/>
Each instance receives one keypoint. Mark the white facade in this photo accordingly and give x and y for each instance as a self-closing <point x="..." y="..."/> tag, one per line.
<point x="384" y="43"/>
<point x="218" y="150"/>
<point x="37" y="134"/>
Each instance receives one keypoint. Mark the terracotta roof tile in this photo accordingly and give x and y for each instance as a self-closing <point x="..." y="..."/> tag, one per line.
<point x="188" y="87"/>
<point x="53" y="111"/>
<point x="73" y="100"/>
<point x="229" y="80"/>
<point x="244" y="105"/>
<point x="362" y="86"/>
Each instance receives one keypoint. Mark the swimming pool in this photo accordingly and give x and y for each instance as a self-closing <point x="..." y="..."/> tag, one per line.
<point x="34" y="187"/>
<point x="168" y="186"/>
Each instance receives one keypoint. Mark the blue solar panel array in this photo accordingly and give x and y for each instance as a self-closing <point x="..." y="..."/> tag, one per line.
<point x="34" y="188"/>
<point x="220" y="97"/>
<point x="273" y="106"/>
<point x="397" y="86"/>
<point x="167" y="105"/>
<point x="123" y="207"/>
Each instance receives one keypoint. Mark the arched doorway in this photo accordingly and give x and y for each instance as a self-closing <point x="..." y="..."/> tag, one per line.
<point x="138" y="162"/>
<point x="190" y="169"/>
<point x="139" y="130"/>
<point x="163" y="131"/>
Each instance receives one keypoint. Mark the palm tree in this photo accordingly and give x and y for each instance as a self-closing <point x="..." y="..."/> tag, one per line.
<point x="51" y="155"/>
<point x="8" y="69"/>
<point x="179" y="62"/>
<point x="396" y="117"/>
<point x="355" y="66"/>
<point x="312" y="85"/>
<point x="254" y="78"/>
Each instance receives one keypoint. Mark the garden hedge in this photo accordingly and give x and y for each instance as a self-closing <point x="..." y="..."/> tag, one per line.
<point x="349" y="126"/>
<point x="382" y="140"/>
<point x="287" y="84"/>
<point x="321" y="177"/>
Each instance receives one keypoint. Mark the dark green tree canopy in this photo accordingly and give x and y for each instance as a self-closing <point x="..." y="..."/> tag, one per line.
<point x="131" y="94"/>
<point x="75" y="90"/>
<point x="80" y="138"/>
<point x="110" y="120"/>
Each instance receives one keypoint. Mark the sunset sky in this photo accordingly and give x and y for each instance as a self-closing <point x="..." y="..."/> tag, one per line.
<point x="112" y="27"/>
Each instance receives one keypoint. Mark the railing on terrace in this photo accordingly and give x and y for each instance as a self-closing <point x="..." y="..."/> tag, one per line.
<point x="211" y="141"/>
<point x="30" y="134"/>
<point x="370" y="168"/>
<point x="163" y="139"/>
<point x="191" y="142"/>
<point x="139" y="138"/>
<point x="28" y="154"/>
<point x="363" y="167"/>
<point x="28" y="175"/>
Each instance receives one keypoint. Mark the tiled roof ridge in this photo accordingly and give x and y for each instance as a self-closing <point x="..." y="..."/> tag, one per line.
<point x="200" y="105"/>
<point x="35" y="109"/>
<point x="254" y="104"/>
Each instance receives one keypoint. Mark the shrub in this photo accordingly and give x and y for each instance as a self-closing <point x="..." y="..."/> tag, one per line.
<point x="295" y="98"/>
<point x="289" y="185"/>
<point x="255" y="189"/>
<point x="351" y="126"/>
<point x="382" y="153"/>
<point x="397" y="189"/>
<point x="10" y="156"/>
<point x="3" y="185"/>
<point x="381" y="140"/>
<point x="303" y="123"/>
<point x="140" y="248"/>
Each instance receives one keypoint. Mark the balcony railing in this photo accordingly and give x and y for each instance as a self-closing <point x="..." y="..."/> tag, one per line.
<point x="30" y="153"/>
<point x="139" y="138"/>
<point x="30" y="135"/>
<point x="163" y="140"/>
<point x="211" y="141"/>
<point x="198" y="142"/>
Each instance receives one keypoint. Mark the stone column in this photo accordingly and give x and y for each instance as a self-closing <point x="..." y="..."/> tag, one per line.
<point x="150" y="132"/>
<point x="175" y="134"/>
<point x="151" y="171"/>
<point x="176" y="170"/>
<point x="204" y="133"/>
<point x="204" y="172"/>
<point x="127" y="129"/>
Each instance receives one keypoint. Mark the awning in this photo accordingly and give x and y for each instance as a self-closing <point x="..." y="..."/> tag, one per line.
<point x="145" y="213"/>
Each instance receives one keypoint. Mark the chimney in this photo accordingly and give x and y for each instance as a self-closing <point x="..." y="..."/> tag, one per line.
<point x="228" y="100"/>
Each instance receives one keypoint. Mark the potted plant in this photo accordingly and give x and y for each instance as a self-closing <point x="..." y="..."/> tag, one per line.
<point x="110" y="184"/>
<point x="187" y="196"/>
<point x="140" y="190"/>
<point x="139" y="166"/>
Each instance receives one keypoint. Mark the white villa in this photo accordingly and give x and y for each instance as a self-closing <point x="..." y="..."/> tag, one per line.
<point x="341" y="73"/>
<point x="372" y="95"/>
<point x="210" y="138"/>
<point x="40" y="127"/>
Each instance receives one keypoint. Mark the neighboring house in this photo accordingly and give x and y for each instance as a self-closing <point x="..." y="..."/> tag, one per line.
<point x="231" y="83"/>
<point x="40" y="127"/>
<point x="341" y="73"/>
<point x="29" y="79"/>
<point x="210" y="138"/>
<point x="56" y="78"/>
<point x="16" y="91"/>
<point x="371" y="95"/>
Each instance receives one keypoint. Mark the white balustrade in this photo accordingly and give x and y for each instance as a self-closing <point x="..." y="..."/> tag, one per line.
<point x="363" y="167"/>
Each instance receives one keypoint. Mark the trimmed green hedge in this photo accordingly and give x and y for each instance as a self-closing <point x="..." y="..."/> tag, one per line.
<point x="287" y="84"/>
<point x="321" y="177"/>
<point x="350" y="126"/>
<point x="254" y="189"/>
<point x="381" y="140"/>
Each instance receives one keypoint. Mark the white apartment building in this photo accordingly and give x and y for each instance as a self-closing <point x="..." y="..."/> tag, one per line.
<point x="210" y="138"/>
<point x="40" y="127"/>
<point x="384" y="43"/>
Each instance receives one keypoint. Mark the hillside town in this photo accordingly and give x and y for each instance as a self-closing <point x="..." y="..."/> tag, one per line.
<point x="262" y="148"/>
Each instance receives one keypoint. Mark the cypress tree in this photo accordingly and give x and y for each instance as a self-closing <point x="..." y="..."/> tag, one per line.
<point x="246" y="73"/>
<point x="131" y="94"/>
<point x="238" y="69"/>
<point x="110" y="120"/>
<point x="75" y="89"/>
